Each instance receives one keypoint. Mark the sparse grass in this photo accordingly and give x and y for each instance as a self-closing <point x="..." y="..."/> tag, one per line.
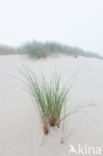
<point x="49" y="97"/>
<point x="5" y="50"/>
<point x="44" y="49"/>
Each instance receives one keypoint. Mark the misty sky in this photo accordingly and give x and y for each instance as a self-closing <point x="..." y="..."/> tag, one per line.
<point x="73" y="22"/>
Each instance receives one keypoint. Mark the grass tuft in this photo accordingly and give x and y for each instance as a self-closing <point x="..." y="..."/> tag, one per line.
<point x="49" y="97"/>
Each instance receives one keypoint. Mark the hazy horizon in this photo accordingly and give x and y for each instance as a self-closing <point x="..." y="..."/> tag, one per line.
<point x="75" y="23"/>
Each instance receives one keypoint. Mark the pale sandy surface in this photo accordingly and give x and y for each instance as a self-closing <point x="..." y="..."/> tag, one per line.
<point x="20" y="126"/>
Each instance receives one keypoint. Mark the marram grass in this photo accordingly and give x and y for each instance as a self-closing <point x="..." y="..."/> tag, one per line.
<point x="49" y="98"/>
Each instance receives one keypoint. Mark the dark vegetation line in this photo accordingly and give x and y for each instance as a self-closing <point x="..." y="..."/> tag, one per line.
<point x="39" y="50"/>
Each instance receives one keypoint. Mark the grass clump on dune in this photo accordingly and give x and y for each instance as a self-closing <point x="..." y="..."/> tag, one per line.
<point x="49" y="97"/>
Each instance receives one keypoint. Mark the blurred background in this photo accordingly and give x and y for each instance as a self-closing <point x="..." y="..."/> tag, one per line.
<point x="77" y="23"/>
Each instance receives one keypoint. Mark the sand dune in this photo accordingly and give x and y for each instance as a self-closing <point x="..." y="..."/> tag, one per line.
<point x="20" y="126"/>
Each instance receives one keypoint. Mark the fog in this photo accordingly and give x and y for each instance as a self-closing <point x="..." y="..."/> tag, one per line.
<point x="73" y="22"/>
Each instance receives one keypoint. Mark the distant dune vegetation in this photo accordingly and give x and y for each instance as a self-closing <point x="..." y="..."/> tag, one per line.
<point x="36" y="49"/>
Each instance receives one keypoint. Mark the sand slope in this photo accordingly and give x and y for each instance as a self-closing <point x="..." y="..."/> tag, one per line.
<point x="20" y="126"/>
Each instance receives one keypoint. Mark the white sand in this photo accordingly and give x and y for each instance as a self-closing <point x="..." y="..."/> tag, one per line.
<point x="21" y="131"/>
